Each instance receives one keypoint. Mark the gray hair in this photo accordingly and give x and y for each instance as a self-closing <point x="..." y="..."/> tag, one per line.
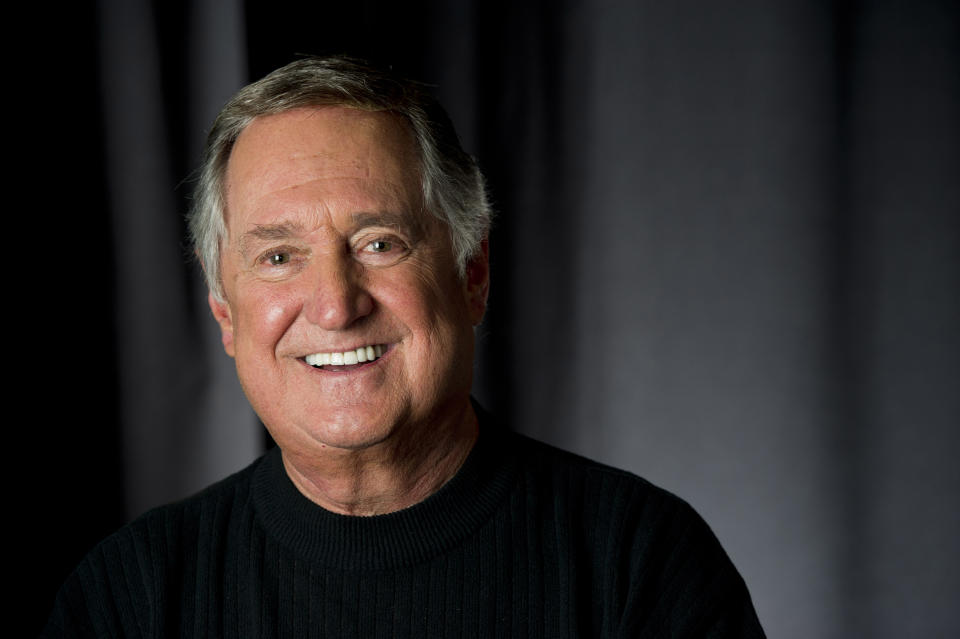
<point x="453" y="187"/>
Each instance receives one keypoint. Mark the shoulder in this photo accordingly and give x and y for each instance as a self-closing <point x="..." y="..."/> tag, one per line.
<point x="568" y="474"/>
<point x="204" y="513"/>
<point x="658" y="566"/>
<point x="612" y="510"/>
<point x="123" y="577"/>
<point x="595" y="499"/>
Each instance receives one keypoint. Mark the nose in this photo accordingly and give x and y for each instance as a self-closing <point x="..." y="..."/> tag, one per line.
<point x="338" y="297"/>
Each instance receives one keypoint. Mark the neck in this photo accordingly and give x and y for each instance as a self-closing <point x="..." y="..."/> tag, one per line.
<point x="403" y="470"/>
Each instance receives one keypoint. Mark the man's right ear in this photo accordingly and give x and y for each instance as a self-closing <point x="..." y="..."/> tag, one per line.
<point x="221" y="313"/>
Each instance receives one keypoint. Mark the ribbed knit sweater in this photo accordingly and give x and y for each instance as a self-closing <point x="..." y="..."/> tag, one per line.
<point x="525" y="541"/>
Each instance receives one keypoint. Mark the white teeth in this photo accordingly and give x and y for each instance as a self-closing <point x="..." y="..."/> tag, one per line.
<point x="346" y="358"/>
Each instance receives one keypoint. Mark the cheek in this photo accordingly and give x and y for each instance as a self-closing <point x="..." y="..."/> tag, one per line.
<point x="433" y="309"/>
<point x="274" y="314"/>
<point x="268" y="317"/>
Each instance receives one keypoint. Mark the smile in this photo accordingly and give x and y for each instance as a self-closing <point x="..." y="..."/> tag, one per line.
<point x="347" y="358"/>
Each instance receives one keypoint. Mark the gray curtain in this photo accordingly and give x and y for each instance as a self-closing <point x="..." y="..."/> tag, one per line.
<point x="185" y="422"/>
<point x="727" y="258"/>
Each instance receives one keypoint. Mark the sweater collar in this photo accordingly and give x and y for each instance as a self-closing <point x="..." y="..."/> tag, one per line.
<point x="409" y="536"/>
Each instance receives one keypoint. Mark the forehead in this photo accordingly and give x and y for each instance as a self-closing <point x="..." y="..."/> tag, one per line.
<point x="319" y="150"/>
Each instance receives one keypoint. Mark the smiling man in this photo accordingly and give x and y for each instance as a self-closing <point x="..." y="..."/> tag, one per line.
<point x="343" y="232"/>
<point x="343" y="306"/>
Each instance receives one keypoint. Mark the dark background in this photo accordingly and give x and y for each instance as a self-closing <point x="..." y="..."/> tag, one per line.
<point x="727" y="258"/>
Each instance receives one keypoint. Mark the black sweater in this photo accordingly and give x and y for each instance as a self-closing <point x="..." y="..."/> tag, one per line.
<point x="525" y="541"/>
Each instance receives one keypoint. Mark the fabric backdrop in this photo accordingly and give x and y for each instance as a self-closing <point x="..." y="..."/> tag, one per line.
<point x="726" y="258"/>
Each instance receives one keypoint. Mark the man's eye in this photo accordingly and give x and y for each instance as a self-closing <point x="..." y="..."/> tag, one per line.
<point x="382" y="251"/>
<point x="280" y="262"/>
<point x="278" y="259"/>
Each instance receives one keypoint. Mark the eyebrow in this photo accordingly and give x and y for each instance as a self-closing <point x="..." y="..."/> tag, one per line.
<point x="271" y="232"/>
<point x="409" y="223"/>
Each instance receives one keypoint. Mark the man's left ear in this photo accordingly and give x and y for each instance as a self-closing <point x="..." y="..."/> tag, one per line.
<point x="477" y="282"/>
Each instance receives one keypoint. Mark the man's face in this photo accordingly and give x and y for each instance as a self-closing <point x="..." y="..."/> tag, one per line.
<point x="329" y="251"/>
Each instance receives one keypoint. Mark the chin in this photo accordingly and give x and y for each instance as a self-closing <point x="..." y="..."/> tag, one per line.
<point x="351" y="430"/>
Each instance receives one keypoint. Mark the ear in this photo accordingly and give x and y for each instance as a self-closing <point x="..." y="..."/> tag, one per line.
<point x="477" y="282"/>
<point x="221" y="313"/>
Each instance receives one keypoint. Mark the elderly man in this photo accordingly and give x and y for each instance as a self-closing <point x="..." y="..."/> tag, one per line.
<point x="343" y="232"/>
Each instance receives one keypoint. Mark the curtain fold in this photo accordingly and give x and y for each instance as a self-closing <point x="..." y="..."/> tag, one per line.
<point x="184" y="420"/>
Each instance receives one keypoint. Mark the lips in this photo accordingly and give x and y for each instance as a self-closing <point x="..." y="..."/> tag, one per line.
<point x="351" y="357"/>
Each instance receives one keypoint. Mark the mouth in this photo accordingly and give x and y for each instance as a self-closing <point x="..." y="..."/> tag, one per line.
<point x="347" y="360"/>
